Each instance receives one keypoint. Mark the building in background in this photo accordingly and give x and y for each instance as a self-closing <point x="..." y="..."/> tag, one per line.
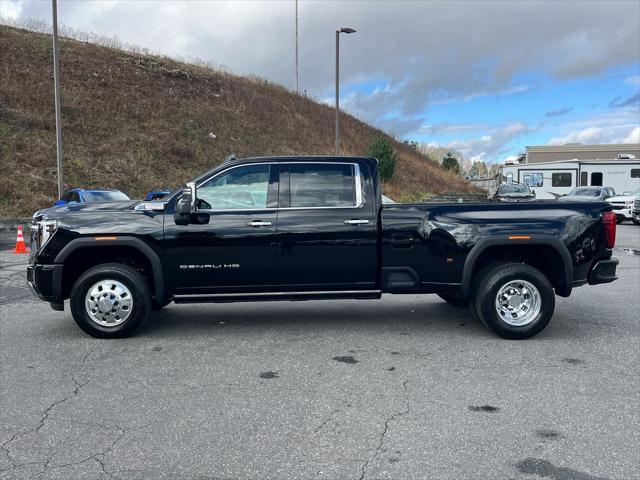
<point x="578" y="151"/>
<point x="554" y="170"/>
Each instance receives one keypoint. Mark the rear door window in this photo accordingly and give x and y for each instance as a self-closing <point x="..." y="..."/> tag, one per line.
<point x="322" y="185"/>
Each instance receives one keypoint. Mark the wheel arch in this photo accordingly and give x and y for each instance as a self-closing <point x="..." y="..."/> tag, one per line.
<point x="561" y="274"/>
<point x="134" y="244"/>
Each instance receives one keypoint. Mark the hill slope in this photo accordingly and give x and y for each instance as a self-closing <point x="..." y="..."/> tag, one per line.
<point x="138" y="123"/>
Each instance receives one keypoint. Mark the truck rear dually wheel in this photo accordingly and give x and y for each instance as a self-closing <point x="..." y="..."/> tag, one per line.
<point x="513" y="300"/>
<point x="110" y="300"/>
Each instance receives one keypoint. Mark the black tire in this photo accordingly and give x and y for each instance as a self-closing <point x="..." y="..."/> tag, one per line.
<point x="489" y="282"/>
<point x="619" y="219"/>
<point x="635" y="222"/>
<point x="454" y="299"/>
<point x="127" y="276"/>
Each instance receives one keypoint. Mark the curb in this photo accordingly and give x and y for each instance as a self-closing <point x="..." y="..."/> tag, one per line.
<point x="11" y="224"/>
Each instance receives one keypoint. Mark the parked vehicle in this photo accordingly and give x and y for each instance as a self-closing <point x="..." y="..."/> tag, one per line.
<point x="588" y="194"/>
<point x="636" y="212"/>
<point x="554" y="179"/>
<point x="623" y="205"/>
<point x="82" y="195"/>
<point x="282" y="228"/>
<point x="514" y="193"/>
<point x="156" y="195"/>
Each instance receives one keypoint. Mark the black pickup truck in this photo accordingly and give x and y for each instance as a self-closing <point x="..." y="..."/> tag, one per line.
<point x="283" y="228"/>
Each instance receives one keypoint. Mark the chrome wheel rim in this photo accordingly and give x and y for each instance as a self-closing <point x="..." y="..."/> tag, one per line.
<point x="518" y="303"/>
<point x="109" y="303"/>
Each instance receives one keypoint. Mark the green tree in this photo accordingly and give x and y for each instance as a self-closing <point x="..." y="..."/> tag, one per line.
<point x="478" y="170"/>
<point x="451" y="163"/>
<point x="380" y="148"/>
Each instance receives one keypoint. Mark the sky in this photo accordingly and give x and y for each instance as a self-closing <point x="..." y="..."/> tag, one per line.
<point x="486" y="78"/>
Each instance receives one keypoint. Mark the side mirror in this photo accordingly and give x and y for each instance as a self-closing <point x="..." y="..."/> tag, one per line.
<point x="59" y="203"/>
<point x="184" y="207"/>
<point x="533" y="191"/>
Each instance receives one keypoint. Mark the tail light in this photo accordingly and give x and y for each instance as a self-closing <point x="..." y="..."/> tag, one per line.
<point x="609" y="222"/>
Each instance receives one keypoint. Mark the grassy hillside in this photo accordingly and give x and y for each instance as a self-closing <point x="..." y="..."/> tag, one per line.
<point x="138" y="123"/>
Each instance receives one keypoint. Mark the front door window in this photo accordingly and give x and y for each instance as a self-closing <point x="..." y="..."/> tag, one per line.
<point x="242" y="188"/>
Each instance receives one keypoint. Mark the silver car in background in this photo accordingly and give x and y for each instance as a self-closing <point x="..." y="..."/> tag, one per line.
<point x="588" y="194"/>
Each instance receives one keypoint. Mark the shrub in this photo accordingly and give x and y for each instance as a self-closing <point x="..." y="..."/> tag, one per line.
<point x="381" y="149"/>
<point x="451" y="163"/>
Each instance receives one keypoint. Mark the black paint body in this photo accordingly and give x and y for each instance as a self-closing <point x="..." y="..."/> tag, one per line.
<point x="306" y="252"/>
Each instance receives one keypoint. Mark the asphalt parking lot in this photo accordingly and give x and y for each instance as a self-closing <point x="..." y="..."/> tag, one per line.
<point x="404" y="388"/>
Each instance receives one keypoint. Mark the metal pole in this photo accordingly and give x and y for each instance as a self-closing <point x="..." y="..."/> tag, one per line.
<point x="297" y="89"/>
<point x="56" y="86"/>
<point x="337" y="92"/>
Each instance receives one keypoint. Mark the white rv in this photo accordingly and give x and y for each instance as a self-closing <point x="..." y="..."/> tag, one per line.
<point x="553" y="179"/>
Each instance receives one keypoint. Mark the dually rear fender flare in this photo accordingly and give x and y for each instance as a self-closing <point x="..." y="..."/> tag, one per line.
<point x="536" y="240"/>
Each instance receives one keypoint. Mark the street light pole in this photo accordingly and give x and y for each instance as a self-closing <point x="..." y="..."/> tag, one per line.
<point x="337" y="92"/>
<point x="297" y="89"/>
<point x="56" y="87"/>
<point x="338" y="32"/>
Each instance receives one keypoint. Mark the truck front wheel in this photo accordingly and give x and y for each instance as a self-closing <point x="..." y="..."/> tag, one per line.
<point x="513" y="300"/>
<point x="110" y="300"/>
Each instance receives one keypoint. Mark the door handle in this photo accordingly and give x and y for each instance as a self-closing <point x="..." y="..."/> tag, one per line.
<point x="356" y="222"/>
<point x="258" y="223"/>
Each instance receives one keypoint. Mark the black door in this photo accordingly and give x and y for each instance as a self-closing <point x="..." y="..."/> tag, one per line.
<point x="229" y="246"/>
<point x="326" y="231"/>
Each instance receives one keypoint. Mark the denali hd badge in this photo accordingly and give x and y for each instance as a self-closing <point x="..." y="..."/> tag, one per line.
<point x="214" y="266"/>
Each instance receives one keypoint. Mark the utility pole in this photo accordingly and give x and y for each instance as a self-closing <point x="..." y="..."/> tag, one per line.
<point x="338" y="32"/>
<point x="297" y="86"/>
<point x="56" y="87"/>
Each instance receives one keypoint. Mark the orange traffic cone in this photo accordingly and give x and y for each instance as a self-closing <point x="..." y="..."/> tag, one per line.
<point x="21" y="247"/>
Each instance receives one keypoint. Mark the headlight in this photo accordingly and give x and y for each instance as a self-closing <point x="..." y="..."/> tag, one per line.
<point x="42" y="231"/>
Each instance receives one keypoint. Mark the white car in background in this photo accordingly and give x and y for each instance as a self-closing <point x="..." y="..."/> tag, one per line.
<point x="623" y="205"/>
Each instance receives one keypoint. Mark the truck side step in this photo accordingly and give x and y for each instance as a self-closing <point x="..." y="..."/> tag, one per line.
<point x="271" y="296"/>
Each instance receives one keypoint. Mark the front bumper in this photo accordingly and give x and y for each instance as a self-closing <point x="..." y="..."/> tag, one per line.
<point x="622" y="212"/>
<point x="45" y="282"/>
<point x="604" y="271"/>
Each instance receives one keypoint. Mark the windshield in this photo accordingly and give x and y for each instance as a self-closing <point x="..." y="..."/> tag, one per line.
<point x="585" y="192"/>
<point x="104" y="196"/>
<point x="514" y="189"/>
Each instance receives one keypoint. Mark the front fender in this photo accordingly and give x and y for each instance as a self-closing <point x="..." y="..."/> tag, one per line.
<point x="102" y="241"/>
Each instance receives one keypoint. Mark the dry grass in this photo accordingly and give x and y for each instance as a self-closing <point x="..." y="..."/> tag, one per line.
<point x="138" y="122"/>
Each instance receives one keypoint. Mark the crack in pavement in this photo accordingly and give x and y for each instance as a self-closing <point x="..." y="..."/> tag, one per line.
<point x="363" y="468"/>
<point x="98" y="457"/>
<point x="329" y="418"/>
<point x="45" y="416"/>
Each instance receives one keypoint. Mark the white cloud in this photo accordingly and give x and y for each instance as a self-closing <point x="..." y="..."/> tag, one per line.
<point x="595" y="135"/>
<point x="490" y="147"/>
<point x="10" y="9"/>
<point x="633" y="80"/>
<point x="633" y="137"/>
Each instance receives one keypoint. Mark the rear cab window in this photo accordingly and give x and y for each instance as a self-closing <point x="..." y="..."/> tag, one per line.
<point x="317" y="185"/>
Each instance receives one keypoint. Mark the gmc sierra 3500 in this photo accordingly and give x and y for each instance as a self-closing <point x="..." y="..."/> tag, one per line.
<point x="285" y="228"/>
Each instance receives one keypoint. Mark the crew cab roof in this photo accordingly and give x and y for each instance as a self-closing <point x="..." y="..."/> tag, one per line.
<point x="232" y="160"/>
